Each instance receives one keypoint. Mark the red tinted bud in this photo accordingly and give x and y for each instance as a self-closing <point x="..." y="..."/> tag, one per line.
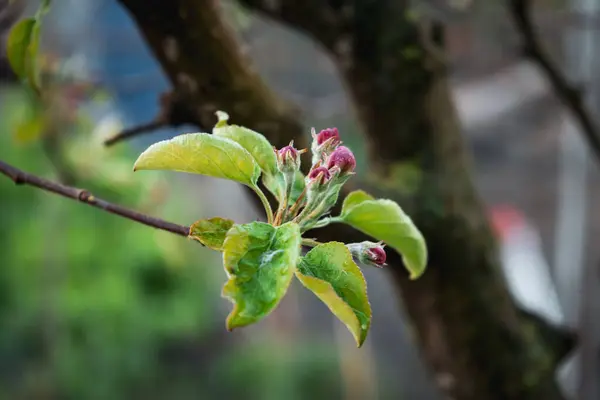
<point x="288" y="158"/>
<point x="342" y="158"/>
<point x="319" y="175"/>
<point x="327" y="134"/>
<point x="376" y="255"/>
<point x="368" y="253"/>
<point x="288" y="151"/>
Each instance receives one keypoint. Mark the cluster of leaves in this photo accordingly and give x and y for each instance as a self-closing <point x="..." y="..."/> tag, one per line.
<point x="23" y="45"/>
<point x="261" y="258"/>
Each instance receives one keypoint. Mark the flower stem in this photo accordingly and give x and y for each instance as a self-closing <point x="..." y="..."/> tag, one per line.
<point x="288" y="193"/>
<point x="296" y="206"/>
<point x="310" y="242"/>
<point x="265" y="203"/>
<point x="323" y="222"/>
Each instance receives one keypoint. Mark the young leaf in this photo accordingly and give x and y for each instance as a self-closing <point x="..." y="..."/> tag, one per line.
<point x="276" y="185"/>
<point x="254" y="143"/>
<point x="259" y="147"/>
<point x="329" y="272"/>
<point x="32" y="69"/>
<point x="23" y="45"/>
<point x="17" y="46"/>
<point x="354" y="198"/>
<point x="211" y="232"/>
<point x="385" y="220"/>
<point x="297" y="187"/>
<point x="260" y="260"/>
<point x="201" y="153"/>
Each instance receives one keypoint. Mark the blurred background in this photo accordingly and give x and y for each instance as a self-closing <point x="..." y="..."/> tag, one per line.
<point x="96" y="307"/>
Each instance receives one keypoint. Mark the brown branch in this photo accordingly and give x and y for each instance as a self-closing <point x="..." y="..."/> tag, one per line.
<point x="22" y="178"/>
<point x="569" y="95"/>
<point x="135" y="131"/>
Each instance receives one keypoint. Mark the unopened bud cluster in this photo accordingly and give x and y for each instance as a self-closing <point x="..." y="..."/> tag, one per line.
<point x="330" y="155"/>
<point x="332" y="165"/>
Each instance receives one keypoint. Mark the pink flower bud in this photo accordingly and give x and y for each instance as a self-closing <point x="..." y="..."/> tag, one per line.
<point x="288" y="158"/>
<point x="376" y="255"/>
<point x="288" y="152"/>
<point x="368" y="253"/>
<point x="319" y="175"/>
<point x="343" y="159"/>
<point x="326" y="134"/>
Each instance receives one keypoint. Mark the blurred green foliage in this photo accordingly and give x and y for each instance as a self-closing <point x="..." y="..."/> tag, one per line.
<point x="93" y="306"/>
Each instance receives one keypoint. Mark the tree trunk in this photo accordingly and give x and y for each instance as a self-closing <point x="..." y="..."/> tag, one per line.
<point x="207" y="69"/>
<point x="476" y="342"/>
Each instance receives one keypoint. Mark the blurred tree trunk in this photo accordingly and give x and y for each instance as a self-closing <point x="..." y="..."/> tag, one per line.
<point x="475" y="341"/>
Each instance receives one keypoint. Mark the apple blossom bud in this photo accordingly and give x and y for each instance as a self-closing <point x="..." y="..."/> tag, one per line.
<point x="324" y="143"/>
<point x="343" y="159"/>
<point x="327" y="134"/>
<point x="377" y="255"/>
<point x="319" y="176"/>
<point x="368" y="253"/>
<point x="288" y="158"/>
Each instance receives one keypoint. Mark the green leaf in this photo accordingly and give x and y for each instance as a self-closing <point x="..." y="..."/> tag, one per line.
<point x="17" y="44"/>
<point x="31" y="58"/>
<point x="255" y="143"/>
<point x="259" y="147"/>
<point x="354" y="198"/>
<point x="201" y="153"/>
<point x="297" y="187"/>
<point x="276" y="185"/>
<point x="23" y="46"/>
<point x="260" y="260"/>
<point x="211" y="232"/>
<point x="385" y="220"/>
<point x="329" y="272"/>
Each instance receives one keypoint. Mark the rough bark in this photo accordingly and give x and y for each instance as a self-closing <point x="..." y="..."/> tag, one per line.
<point x="207" y="69"/>
<point x="475" y="341"/>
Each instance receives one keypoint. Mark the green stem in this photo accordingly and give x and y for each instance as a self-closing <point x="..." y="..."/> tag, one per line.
<point x="288" y="194"/>
<point x="310" y="242"/>
<point x="265" y="203"/>
<point x="296" y="206"/>
<point x="310" y="206"/>
<point x="308" y="223"/>
<point x="333" y="220"/>
<point x="323" y="222"/>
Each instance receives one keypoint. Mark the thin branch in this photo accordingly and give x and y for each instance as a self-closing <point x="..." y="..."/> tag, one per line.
<point x="568" y="94"/>
<point x="22" y="178"/>
<point x="135" y="131"/>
